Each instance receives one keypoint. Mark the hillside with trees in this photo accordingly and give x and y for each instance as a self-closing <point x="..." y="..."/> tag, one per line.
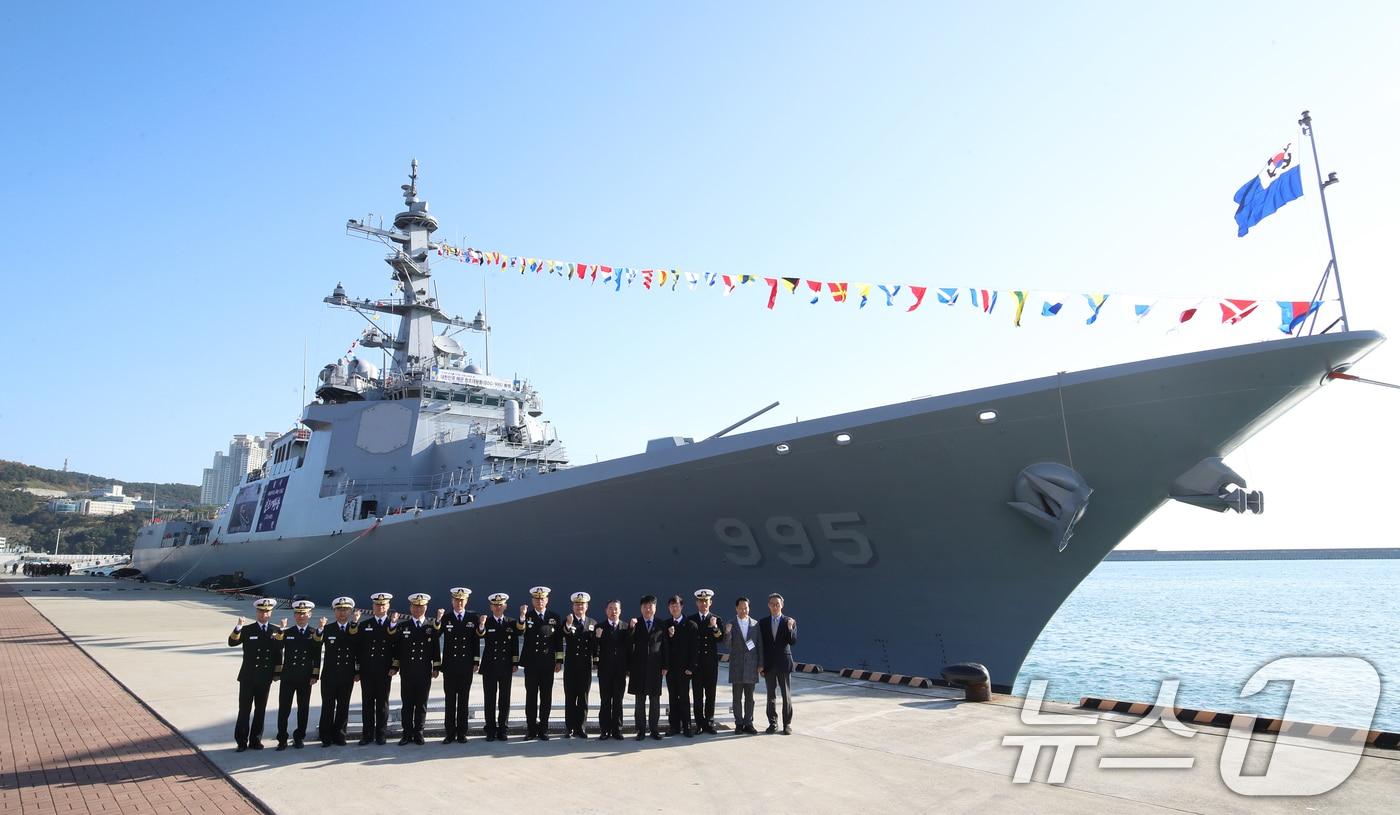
<point x="24" y="520"/>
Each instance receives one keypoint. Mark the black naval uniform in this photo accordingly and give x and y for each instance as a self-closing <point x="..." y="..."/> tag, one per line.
<point x="374" y="651"/>
<point x="614" y="652"/>
<point x="500" y="654"/>
<point x="260" y="655"/>
<point x="709" y="634"/>
<point x="649" y="657"/>
<point x="299" y="666"/>
<point x="680" y="667"/>
<point x="338" y="671"/>
<point x="416" y="658"/>
<point x="460" y="645"/>
<point x="580" y="654"/>
<point x="542" y="650"/>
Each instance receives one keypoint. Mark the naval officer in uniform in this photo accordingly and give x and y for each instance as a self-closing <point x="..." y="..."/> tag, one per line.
<point x="338" y="671"/>
<point x="500" y="656"/>
<point x="580" y="655"/>
<point x="542" y="655"/>
<point x="459" y="641"/>
<point x="298" y="669"/>
<point x="709" y="634"/>
<point x="374" y="652"/>
<point x="416" y="661"/>
<point x="260" y="655"/>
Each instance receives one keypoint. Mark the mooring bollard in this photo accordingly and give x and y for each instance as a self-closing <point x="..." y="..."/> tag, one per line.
<point x="973" y="678"/>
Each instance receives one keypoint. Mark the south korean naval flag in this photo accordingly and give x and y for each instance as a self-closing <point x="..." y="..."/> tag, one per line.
<point x="1279" y="182"/>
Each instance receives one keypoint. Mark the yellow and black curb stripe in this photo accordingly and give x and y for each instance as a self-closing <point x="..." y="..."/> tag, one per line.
<point x="1380" y="739"/>
<point x="888" y="679"/>
<point x="804" y="667"/>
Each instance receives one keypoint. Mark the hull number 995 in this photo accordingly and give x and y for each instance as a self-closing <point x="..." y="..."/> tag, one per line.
<point x="786" y="538"/>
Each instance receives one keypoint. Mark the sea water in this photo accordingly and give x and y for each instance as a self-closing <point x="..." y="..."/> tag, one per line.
<point x="1213" y="624"/>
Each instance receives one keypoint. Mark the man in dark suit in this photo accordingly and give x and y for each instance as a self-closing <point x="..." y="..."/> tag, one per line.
<point x="649" y="660"/>
<point x="416" y="661"/>
<point x="614" y="652"/>
<point x="500" y="657"/>
<point x="709" y="633"/>
<point x="261" y="652"/>
<point x="298" y="669"/>
<point x="338" y="671"/>
<point x="779" y="635"/>
<point x="460" y="643"/>
<point x="542" y="656"/>
<point x="680" y="667"/>
<point x="375" y="643"/>
<point x="580" y="654"/>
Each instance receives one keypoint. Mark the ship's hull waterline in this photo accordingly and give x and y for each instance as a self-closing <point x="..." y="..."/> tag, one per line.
<point x="896" y="550"/>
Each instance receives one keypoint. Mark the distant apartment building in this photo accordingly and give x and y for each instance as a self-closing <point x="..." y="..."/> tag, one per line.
<point x="245" y="453"/>
<point x="105" y="501"/>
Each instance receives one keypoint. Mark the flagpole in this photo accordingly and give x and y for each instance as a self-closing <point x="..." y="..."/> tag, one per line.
<point x="1306" y="123"/>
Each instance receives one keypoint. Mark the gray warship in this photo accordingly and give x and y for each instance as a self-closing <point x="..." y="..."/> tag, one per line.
<point x="965" y="518"/>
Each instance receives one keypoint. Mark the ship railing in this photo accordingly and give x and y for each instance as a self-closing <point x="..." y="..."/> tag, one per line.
<point x="452" y="479"/>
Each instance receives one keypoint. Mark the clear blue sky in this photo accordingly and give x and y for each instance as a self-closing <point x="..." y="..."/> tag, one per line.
<point x="176" y="178"/>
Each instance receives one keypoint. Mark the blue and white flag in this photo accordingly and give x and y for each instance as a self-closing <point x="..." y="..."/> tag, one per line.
<point x="1279" y="182"/>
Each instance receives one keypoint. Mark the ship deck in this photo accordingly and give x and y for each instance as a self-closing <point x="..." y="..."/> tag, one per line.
<point x="144" y="690"/>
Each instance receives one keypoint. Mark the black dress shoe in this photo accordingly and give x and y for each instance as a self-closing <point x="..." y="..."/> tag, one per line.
<point x="530" y="736"/>
<point x="787" y="731"/>
<point x="617" y="736"/>
<point x="544" y="736"/>
<point x="641" y="736"/>
<point x="450" y="740"/>
<point x="656" y="736"/>
<point x="568" y="734"/>
<point x="327" y="743"/>
<point x="281" y="745"/>
<point x="240" y="748"/>
<point x="298" y="743"/>
<point x="582" y="734"/>
<point x="462" y="739"/>
<point x="255" y="744"/>
<point x="417" y="737"/>
<point x="340" y="740"/>
<point x="405" y="740"/>
<point x="686" y="732"/>
<point x="503" y="734"/>
<point x="380" y="739"/>
<point x="365" y="740"/>
<point x="772" y="728"/>
<point x="710" y="728"/>
<point x="490" y="736"/>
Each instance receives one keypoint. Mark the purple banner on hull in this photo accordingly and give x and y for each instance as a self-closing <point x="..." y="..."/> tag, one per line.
<point x="272" y="504"/>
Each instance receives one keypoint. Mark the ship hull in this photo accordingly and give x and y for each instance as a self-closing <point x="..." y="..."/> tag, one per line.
<point x="896" y="550"/>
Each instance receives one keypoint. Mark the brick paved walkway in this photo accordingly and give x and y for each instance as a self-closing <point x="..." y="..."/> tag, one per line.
<point x="74" y="741"/>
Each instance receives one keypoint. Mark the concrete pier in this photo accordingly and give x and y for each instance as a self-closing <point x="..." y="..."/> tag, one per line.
<point x="857" y="746"/>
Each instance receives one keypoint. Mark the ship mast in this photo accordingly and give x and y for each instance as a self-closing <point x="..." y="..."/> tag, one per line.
<point x="413" y="354"/>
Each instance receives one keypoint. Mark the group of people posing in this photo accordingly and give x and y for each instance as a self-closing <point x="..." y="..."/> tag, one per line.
<point x="636" y="655"/>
